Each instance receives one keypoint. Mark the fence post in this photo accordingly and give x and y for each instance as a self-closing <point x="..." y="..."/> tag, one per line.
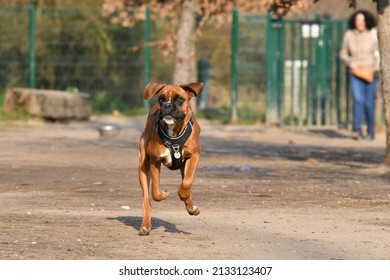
<point x="292" y="73"/>
<point x="274" y="70"/>
<point x="204" y="76"/>
<point x="338" y="77"/>
<point x="234" y="62"/>
<point x="31" y="37"/>
<point x="147" y="55"/>
<point x="319" y="75"/>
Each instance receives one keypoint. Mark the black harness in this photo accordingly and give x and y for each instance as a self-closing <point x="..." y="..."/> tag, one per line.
<point x="175" y="144"/>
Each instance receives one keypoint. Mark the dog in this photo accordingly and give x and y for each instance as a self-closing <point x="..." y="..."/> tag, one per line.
<point x="171" y="138"/>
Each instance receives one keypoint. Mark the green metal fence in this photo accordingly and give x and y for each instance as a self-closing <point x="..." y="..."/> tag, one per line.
<point x="77" y="49"/>
<point x="306" y="81"/>
<point x="14" y="47"/>
<point x="275" y="71"/>
<point x="250" y="36"/>
<point x="72" y="49"/>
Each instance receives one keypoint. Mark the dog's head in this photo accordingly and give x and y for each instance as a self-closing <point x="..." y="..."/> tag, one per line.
<point x="173" y="100"/>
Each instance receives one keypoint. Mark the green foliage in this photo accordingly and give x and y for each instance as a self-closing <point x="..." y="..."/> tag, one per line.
<point x="74" y="90"/>
<point x="250" y="112"/>
<point x="103" y="103"/>
<point x="221" y="115"/>
<point x="247" y="114"/>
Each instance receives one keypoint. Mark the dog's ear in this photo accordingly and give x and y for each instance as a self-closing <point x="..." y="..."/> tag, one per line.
<point x="194" y="89"/>
<point x="151" y="89"/>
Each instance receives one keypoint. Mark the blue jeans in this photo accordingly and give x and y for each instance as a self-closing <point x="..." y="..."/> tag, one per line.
<point x="364" y="95"/>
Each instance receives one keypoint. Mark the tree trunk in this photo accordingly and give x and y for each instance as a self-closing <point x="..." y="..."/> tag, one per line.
<point x="384" y="44"/>
<point x="184" y="59"/>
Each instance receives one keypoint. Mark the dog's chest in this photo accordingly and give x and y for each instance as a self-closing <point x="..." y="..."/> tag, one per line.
<point x="165" y="157"/>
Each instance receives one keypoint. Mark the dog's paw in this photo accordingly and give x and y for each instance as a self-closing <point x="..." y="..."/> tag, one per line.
<point x="193" y="211"/>
<point x="163" y="194"/>
<point x="144" y="231"/>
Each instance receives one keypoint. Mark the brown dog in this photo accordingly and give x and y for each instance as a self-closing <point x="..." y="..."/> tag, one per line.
<point x="171" y="138"/>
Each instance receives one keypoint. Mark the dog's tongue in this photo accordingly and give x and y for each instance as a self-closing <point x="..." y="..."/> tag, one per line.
<point x="168" y="119"/>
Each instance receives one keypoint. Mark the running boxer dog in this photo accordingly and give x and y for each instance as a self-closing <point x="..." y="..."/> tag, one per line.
<point x="171" y="138"/>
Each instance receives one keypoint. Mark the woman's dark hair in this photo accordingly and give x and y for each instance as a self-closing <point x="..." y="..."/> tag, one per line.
<point x="368" y="17"/>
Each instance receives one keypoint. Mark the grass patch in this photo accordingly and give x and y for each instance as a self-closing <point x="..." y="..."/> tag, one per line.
<point x="103" y="104"/>
<point x="15" y="115"/>
<point x="246" y="115"/>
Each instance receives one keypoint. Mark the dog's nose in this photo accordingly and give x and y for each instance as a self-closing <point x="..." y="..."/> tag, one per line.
<point x="168" y="106"/>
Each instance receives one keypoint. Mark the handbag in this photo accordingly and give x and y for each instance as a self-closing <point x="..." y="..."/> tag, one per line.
<point x="363" y="73"/>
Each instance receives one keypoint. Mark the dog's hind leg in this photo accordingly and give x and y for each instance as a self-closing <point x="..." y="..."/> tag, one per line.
<point x="188" y="173"/>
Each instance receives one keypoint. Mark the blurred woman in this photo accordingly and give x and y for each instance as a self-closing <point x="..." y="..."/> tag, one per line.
<point x="360" y="53"/>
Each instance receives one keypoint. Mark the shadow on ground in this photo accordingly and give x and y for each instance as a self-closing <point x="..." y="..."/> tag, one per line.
<point x="135" y="222"/>
<point x="339" y="155"/>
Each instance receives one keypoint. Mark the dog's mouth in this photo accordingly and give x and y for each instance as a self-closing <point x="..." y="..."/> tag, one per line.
<point x="172" y="117"/>
<point x="168" y="119"/>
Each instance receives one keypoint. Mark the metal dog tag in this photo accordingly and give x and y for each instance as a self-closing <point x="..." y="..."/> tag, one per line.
<point x="176" y="150"/>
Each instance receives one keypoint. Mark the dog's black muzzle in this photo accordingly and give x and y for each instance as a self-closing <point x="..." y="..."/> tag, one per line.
<point x="170" y="109"/>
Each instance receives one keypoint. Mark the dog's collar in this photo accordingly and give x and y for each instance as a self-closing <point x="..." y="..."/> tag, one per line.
<point x="175" y="144"/>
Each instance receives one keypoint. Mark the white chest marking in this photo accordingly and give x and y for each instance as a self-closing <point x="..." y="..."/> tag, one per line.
<point x="170" y="130"/>
<point x="166" y="155"/>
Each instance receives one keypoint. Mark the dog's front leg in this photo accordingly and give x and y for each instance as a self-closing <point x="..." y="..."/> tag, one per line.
<point x="155" y="169"/>
<point x="144" y="178"/>
<point x="188" y="174"/>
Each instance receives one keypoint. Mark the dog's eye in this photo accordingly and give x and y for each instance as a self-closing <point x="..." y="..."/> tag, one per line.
<point x="161" y="99"/>
<point x="179" y="99"/>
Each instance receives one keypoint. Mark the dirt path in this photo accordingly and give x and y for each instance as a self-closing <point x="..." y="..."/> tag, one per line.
<point x="264" y="193"/>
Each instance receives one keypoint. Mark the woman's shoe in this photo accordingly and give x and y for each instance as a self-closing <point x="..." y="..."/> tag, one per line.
<point x="357" y="135"/>
<point x="369" y="137"/>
